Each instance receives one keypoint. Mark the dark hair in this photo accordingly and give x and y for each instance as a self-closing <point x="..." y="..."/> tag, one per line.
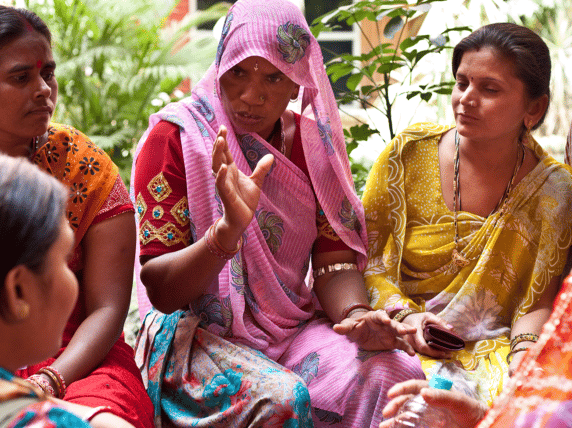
<point x="14" y="23"/>
<point x="32" y="204"/>
<point x="526" y="50"/>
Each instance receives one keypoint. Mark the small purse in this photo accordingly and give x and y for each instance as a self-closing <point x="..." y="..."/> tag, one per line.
<point x="439" y="338"/>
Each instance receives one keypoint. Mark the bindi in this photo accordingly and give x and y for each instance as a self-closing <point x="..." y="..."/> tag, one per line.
<point x="39" y="64"/>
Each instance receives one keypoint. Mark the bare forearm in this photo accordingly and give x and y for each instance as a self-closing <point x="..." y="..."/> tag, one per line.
<point x="339" y="291"/>
<point x="336" y="290"/>
<point x="537" y="316"/>
<point x="90" y="344"/>
<point x="174" y="280"/>
<point x="531" y="322"/>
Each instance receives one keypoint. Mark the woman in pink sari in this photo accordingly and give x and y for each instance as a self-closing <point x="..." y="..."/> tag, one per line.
<point x="235" y="195"/>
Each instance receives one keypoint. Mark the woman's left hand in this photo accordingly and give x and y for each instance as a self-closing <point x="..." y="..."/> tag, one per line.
<point x="375" y="331"/>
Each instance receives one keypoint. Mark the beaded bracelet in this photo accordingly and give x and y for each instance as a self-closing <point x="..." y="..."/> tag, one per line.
<point x="214" y="246"/>
<point x="57" y="378"/>
<point x="403" y="313"/>
<point x="42" y="383"/>
<point x="524" y="337"/>
<point x="514" y="351"/>
<point x="349" y="309"/>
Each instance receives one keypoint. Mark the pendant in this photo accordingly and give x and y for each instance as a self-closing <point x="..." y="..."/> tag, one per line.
<point x="459" y="259"/>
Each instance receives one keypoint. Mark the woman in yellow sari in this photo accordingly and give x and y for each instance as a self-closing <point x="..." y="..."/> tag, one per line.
<point x="469" y="226"/>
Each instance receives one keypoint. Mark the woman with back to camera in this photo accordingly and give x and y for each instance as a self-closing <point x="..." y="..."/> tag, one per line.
<point x="469" y="226"/>
<point x="235" y="195"/>
<point x="94" y="366"/>
<point x="38" y="293"/>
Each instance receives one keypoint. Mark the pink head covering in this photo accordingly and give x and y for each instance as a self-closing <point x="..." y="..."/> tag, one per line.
<point x="277" y="31"/>
<point x="261" y="291"/>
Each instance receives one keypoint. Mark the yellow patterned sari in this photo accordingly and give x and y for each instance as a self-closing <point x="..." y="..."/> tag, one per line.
<point x="513" y="255"/>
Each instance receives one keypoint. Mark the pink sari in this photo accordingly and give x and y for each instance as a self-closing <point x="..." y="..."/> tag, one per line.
<point x="261" y="302"/>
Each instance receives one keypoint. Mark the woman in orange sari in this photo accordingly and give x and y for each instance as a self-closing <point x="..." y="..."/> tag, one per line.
<point x="95" y="367"/>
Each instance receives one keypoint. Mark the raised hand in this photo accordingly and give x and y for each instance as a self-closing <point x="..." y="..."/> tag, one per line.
<point x="375" y="331"/>
<point x="239" y="193"/>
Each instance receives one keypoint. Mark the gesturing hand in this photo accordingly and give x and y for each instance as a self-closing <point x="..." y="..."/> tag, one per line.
<point x="238" y="192"/>
<point x="375" y="331"/>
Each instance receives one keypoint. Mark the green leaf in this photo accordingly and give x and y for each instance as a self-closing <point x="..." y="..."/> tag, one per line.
<point x="338" y="70"/>
<point x="362" y="132"/>
<point x="353" y="81"/>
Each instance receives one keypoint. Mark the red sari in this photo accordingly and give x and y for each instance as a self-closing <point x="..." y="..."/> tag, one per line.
<point x="96" y="194"/>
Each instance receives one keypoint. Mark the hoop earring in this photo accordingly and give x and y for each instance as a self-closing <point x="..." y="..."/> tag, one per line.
<point x="293" y="100"/>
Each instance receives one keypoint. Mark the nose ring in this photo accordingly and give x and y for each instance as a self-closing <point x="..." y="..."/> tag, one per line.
<point x="262" y="98"/>
<point x="472" y="103"/>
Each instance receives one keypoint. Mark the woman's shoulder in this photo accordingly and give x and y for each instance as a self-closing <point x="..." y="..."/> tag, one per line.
<point x="65" y="132"/>
<point x="421" y="131"/>
<point x="71" y="143"/>
<point x="410" y="137"/>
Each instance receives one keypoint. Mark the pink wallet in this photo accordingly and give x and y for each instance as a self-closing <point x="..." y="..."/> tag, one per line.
<point x="442" y="339"/>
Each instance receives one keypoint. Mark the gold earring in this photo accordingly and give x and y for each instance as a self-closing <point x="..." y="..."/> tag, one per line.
<point x="528" y="129"/>
<point x="262" y="98"/>
<point x="23" y="311"/>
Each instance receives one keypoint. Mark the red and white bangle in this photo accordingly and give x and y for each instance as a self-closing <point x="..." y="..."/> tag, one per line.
<point x="214" y="246"/>
<point x="42" y="383"/>
<point x="57" y="378"/>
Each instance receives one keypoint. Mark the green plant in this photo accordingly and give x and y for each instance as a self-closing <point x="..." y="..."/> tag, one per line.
<point x="388" y="67"/>
<point x="117" y="65"/>
<point x="552" y="23"/>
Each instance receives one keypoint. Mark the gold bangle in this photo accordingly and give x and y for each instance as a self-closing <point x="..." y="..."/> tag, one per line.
<point x="524" y="337"/>
<point x="334" y="268"/>
<point x="216" y="248"/>
<point x="512" y="352"/>
<point x="403" y="313"/>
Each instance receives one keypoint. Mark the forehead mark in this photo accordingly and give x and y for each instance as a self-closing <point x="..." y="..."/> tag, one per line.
<point x="39" y="64"/>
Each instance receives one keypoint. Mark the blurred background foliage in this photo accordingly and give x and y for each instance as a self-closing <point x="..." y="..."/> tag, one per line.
<point x="403" y="74"/>
<point x="393" y="50"/>
<point x="118" y="62"/>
